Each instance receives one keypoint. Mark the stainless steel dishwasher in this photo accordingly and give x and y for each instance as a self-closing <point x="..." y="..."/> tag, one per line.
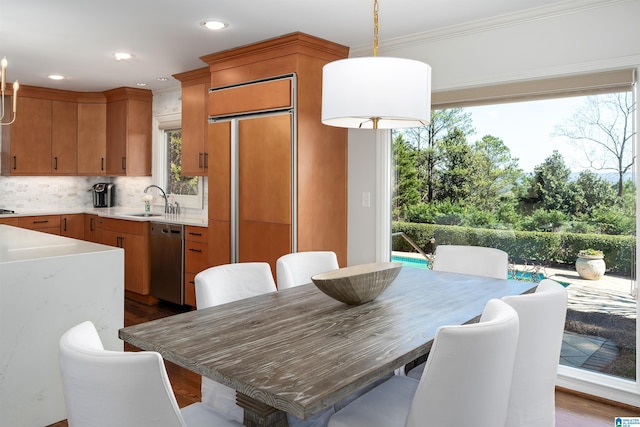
<point x="166" y="243"/>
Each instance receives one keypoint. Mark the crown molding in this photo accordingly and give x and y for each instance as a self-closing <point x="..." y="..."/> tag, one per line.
<point x="483" y="25"/>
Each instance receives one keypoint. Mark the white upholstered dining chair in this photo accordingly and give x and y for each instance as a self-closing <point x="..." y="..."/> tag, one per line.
<point x="219" y="285"/>
<point x="542" y="317"/>
<point x="105" y="388"/>
<point x="476" y="260"/>
<point x="296" y="268"/>
<point x="466" y="380"/>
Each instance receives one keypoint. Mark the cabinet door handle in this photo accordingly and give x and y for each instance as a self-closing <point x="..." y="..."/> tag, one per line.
<point x="206" y="160"/>
<point x="124" y="163"/>
<point x="200" y="160"/>
<point x="55" y="163"/>
<point x="15" y="163"/>
<point x="64" y="222"/>
<point x="102" y="163"/>
<point x="195" y="234"/>
<point x="41" y="221"/>
<point x="195" y="250"/>
<point x="91" y="224"/>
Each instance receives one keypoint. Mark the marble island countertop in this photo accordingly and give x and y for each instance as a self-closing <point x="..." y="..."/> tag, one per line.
<point x="49" y="283"/>
<point x="19" y="244"/>
<point x="128" y="213"/>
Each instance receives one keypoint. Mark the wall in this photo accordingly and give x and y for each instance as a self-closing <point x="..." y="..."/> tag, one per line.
<point x="571" y="38"/>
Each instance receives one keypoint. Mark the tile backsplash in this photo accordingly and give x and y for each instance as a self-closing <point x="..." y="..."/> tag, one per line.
<point x="68" y="192"/>
<point x="46" y="192"/>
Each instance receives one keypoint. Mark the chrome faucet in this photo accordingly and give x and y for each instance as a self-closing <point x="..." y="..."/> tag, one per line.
<point x="166" y="200"/>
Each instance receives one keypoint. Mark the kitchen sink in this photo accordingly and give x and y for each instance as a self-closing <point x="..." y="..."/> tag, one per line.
<point x="141" y="214"/>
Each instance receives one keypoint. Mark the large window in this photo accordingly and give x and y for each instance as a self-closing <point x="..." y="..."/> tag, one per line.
<point x="543" y="180"/>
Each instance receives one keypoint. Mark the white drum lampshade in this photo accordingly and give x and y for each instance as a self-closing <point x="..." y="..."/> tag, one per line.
<point x="376" y="93"/>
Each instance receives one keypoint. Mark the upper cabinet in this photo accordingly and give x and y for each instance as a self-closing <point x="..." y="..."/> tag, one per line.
<point x="66" y="133"/>
<point x="26" y="144"/>
<point x="64" y="137"/>
<point x="42" y="141"/>
<point x="129" y="132"/>
<point x="195" y="96"/>
<point x="92" y="134"/>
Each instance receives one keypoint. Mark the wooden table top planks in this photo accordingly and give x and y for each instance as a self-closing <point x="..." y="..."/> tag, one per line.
<point x="299" y="351"/>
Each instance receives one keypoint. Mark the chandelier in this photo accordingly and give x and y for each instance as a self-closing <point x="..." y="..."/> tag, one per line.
<point x="16" y="86"/>
<point x="376" y="92"/>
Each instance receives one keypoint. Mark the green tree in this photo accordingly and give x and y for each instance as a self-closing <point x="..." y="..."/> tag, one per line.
<point x="495" y="172"/>
<point x="455" y="172"/>
<point x="426" y="141"/>
<point x="405" y="182"/>
<point x="549" y="186"/>
<point x="589" y="192"/>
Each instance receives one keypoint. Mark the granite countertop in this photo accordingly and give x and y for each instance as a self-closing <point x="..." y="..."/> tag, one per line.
<point x="121" y="213"/>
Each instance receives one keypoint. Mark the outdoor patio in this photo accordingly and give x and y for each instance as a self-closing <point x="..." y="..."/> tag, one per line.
<point x="610" y="295"/>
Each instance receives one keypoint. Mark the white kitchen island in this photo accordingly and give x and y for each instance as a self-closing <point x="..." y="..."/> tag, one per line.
<point x="48" y="284"/>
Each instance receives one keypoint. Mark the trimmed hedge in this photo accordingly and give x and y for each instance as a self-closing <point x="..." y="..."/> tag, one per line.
<point x="543" y="248"/>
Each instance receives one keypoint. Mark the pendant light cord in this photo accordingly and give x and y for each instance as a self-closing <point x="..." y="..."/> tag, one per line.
<point x="375" y="27"/>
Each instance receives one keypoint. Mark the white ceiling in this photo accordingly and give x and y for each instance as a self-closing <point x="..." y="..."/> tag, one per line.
<point x="77" y="38"/>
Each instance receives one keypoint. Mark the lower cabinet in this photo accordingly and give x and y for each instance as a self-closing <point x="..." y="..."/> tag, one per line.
<point x="195" y="259"/>
<point x="43" y="223"/>
<point x="93" y="228"/>
<point x="13" y="221"/>
<point x="72" y="225"/>
<point x="133" y="237"/>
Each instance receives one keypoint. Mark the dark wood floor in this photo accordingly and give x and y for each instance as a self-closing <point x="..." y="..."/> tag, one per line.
<point x="572" y="410"/>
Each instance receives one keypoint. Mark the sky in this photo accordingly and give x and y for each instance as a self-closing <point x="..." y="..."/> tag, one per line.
<point x="527" y="127"/>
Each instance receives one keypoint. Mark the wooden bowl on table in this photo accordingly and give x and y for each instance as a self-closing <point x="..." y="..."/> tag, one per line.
<point x="357" y="284"/>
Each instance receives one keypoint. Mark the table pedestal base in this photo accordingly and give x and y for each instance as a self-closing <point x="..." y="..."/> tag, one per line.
<point x="259" y="414"/>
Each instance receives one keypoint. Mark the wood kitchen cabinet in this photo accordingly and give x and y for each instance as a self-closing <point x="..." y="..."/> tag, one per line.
<point x="292" y="169"/>
<point x="64" y="137"/>
<point x="195" y="95"/>
<point x="133" y="237"/>
<point x="26" y="144"/>
<point x="93" y="228"/>
<point x="42" y="141"/>
<point x="72" y="225"/>
<point x="195" y="259"/>
<point x="78" y="133"/>
<point x="92" y="134"/>
<point x="13" y="221"/>
<point x="128" y="132"/>
<point x="43" y="223"/>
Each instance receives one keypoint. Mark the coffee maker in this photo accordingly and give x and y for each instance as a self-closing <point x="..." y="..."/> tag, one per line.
<point x="103" y="195"/>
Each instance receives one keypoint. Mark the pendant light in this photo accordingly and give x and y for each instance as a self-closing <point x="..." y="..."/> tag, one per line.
<point x="376" y="92"/>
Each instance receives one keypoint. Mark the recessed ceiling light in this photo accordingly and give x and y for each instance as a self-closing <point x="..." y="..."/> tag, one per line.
<point x="214" y="25"/>
<point x="55" y="77"/>
<point x="123" y="56"/>
<point x="163" y="79"/>
<point x="141" y="84"/>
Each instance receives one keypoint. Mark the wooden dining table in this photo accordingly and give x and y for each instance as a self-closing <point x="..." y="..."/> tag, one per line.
<point x="298" y="351"/>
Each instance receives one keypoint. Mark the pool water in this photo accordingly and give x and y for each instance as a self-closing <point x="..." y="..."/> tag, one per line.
<point x="424" y="264"/>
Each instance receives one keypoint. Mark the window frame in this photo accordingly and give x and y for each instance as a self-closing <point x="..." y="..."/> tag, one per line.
<point x="162" y="124"/>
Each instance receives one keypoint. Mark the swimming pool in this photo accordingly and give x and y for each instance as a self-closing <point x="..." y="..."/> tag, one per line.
<point x="425" y="265"/>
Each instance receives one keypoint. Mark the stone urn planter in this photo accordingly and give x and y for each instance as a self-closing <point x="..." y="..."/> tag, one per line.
<point x="590" y="264"/>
